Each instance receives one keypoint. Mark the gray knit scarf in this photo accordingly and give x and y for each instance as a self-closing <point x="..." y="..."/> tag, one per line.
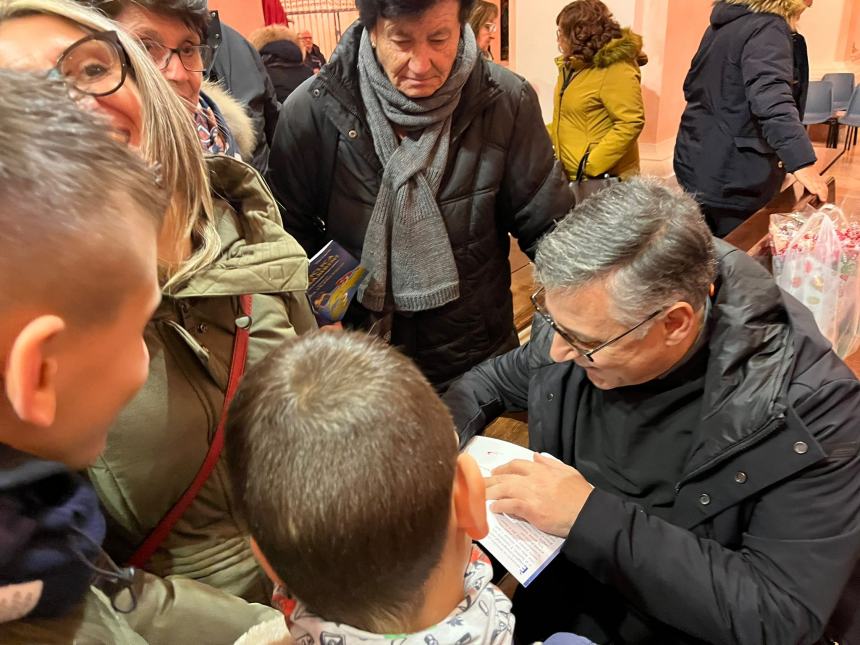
<point x="406" y="234"/>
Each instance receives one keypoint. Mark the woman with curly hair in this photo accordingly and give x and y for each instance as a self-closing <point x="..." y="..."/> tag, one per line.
<point x="598" y="108"/>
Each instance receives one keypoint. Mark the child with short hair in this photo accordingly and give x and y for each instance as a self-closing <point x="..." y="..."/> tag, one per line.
<point x="345" y="464"/>
<point x="79" y="220"/>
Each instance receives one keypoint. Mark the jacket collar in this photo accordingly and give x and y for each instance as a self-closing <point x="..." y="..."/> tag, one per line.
<point x="726" y="11"/>
<point x="20" y="469"/>
<point x="752" y="351"/>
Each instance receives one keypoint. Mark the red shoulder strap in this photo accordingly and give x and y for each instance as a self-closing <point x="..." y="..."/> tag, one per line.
<point x="237" y="368"/>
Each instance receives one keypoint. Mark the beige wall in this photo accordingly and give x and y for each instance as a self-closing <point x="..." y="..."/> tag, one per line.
<point x="242" y="15"/>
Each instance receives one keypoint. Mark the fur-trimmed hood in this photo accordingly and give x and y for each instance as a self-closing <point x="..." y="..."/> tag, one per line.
<point x="788" y="9"/>
<point x="271" y="34"/>
<point x="626" y="48"/>
<point x="235" y="115"/>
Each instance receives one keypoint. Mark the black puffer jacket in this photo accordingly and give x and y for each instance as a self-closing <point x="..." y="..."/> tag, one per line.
<point x="501" y="178"/>
<point x="741" y="129"/>
<point x="765" y="528"/>
<point x="286" y="67"/>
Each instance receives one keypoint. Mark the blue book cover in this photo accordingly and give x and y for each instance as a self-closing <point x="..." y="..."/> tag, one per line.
<point x="333" y="278"/>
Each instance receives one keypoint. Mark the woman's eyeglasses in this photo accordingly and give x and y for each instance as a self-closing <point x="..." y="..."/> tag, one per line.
<point x="491" y="27"/>
<point x="194" y="58"/>
<point x="538" y="304"/>
<point x="95" y="65"/>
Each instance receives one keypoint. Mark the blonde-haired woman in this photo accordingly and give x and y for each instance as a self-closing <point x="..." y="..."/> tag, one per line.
<point x="222" y="241"/>
<point x="483" y="19"/>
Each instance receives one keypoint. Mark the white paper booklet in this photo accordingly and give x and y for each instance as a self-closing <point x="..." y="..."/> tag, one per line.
<point x="521" y="548"/>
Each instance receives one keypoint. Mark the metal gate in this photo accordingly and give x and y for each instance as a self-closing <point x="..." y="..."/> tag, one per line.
<point x="325" y="19"/>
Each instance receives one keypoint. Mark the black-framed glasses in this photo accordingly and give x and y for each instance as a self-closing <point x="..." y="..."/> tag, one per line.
<point x="96" y="65"/>
<point x="587" y="353"/>
<point x="194" y="58"/>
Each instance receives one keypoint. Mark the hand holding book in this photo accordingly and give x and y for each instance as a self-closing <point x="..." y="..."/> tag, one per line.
<point x="524" y="501"/>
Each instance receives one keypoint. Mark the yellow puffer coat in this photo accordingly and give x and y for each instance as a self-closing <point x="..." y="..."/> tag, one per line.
<point x="599" y="107"/>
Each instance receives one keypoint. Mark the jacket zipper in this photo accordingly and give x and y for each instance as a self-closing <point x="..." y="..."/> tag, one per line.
<point x="766" y="429"/>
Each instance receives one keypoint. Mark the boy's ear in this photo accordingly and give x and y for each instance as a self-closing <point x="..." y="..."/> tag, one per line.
<point x="264" y="563"/>
<point x="470" y="498"/>
<point x="30" y="372"/>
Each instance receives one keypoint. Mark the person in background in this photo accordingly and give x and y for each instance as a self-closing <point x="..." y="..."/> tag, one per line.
<point x="238" y="68"/>
<point x="283" y="56"/>
<point x="231" y="279"/>
<point x="800" y="76"/>
<point x="741" y="131"/>
<point x="425" y="157"/>
<point x="598" y="109"/>
<point x="482" y="20"/>
<point x="174" y="33"/>
<point x="314" y="58"/>
<point x="708" y="488"/>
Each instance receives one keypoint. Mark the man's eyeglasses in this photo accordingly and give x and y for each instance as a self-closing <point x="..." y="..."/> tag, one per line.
<point x="537" y="303"/>
<point x="194" y="58"/>
<point x="95" y="65"/>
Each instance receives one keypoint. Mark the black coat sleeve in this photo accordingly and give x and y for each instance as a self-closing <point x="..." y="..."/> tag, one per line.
<point x="239" y="67"/>
<point x="768" y="71"/>
<point x="296" y="175"/>
<point x="783" y="581"/>
<point x="534" y="191"/>
<point x="497" y="385"/>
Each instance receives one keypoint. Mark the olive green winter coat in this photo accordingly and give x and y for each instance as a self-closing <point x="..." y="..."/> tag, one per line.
<point x="160" y="440"/>
<point x="598" y="107"/>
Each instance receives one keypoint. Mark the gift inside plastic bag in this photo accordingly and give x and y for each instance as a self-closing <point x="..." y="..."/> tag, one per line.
<point x="815" y="259"/>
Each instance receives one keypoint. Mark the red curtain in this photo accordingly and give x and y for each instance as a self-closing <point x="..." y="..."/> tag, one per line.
<point x="273" y="12"/>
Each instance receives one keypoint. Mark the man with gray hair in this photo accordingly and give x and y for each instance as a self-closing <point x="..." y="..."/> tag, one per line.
<point x="709" y="478"/>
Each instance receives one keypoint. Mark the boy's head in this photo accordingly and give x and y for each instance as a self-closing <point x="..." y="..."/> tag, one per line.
<point x="79" y="220"/>
<point x="345" y="464"/>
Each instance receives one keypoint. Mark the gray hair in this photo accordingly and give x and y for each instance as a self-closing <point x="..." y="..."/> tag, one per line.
<point x="66" y="188"/>
<point x="648" y="242"/>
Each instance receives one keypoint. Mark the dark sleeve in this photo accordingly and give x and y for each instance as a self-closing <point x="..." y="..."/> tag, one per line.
<point x="295" y="175"/>
<point x="783" y="581"/>
<point x="534" y="192"/>
<point x="497" y="385"/>
<point x="239" y="67"/>
<point x="768" y="72"/>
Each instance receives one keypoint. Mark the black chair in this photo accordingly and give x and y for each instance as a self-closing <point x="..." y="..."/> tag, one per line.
<point x="819" y="109"/>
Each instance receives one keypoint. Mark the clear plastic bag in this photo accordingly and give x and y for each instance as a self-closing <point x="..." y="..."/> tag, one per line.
<point x="815" y="259"/>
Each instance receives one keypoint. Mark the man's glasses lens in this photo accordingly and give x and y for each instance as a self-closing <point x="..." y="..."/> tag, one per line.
<point x="194" y="58"/>
<point x="93" y="66"/>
